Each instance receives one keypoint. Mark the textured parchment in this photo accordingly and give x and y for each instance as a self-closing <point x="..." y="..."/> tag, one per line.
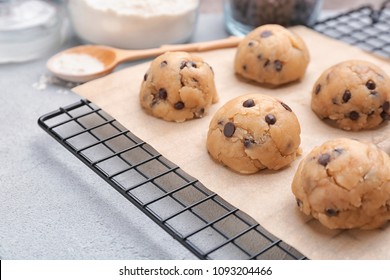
<point x="266" y="196"/>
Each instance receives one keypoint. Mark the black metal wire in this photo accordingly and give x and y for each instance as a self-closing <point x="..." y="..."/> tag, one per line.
<point x="364" y="27"/>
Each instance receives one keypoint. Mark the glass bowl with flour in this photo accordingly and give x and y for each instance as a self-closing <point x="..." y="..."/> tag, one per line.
<point x="133" y="24"/>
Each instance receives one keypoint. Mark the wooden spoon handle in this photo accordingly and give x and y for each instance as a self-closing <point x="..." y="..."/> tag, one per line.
<point x="128" y="55"/>
<point x="229" y="42"/>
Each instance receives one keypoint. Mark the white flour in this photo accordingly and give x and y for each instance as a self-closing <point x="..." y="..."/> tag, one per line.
<point x="134" y="24"/>
<point x="77" y="64"/>
<point x="46" y="81"/>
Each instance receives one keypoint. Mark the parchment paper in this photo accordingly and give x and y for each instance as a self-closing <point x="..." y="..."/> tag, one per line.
<point x="266" y="196"/>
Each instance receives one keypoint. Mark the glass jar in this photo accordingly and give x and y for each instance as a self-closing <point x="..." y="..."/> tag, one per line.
<point x="242" y="16"/>
<point x="133" y="24"/>
<point x="29" y="29"/>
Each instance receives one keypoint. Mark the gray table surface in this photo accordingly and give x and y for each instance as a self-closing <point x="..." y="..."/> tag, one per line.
<point x="51" y="205"/>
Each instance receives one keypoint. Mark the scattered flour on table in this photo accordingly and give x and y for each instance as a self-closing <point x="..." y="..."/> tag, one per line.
<point x="77" y="64"/>
<point x="45" y="80"/>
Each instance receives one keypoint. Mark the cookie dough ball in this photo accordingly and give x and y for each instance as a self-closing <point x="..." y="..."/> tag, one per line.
<point x="254" y="132"/>
<point x="177" y="87"/>
<point x="353" y="94"/>
<point x="344" y="184"/>
<point x="271" y="54"/>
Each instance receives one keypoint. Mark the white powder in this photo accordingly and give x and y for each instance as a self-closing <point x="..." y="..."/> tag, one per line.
<point x="134" y="24"/>
<point x="76" y="64"/>
<point x="48" y="80"/>
<point x="144" y="8"/>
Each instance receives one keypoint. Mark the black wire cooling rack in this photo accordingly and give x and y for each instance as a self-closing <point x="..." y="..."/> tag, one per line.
<point x="199" y="219"/>
<point x="365" y="27"/>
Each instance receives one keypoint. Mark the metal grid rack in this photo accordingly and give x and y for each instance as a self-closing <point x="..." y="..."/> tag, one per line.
<point x="199" y="219"/>
<point x="365" y="27"/>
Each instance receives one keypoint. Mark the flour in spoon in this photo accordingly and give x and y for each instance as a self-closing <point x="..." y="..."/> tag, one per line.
<point x="76" y="64"/>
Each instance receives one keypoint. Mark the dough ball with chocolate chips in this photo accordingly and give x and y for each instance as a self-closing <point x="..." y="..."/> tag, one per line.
<point x="271" y="54"/>
<point x="177" y="87"/>
<point x="353" y="95"/>
<point x="344" y="184"/>
<point x="254" y="132"/>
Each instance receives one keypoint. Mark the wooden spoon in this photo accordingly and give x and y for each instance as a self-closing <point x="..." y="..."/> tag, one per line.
<point x="110" y="57"/>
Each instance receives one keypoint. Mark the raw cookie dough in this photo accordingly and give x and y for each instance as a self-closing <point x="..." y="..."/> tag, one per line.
<point x="344" y="184"/>
<point x="271" y="54"/>
<point x="177" y="87"/>
<point x="254" y="132"/>
<point x="353" y="94"/>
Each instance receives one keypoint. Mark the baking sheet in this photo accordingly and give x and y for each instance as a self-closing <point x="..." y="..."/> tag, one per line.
<point x="266" y="196"/>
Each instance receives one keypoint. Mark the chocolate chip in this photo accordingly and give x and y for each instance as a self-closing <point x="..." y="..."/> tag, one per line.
<point x="266" y="63"/>
<point x="162" y="93"/>
<point x="145" y="76"/>
<point x="370" y="85"/>
<point x="179" y="105"/>
<point x="248" y="143"/>
<point x="163" y="63"/>
<point x="251" y="44"/>
<point x="346" y="96"/>
<point x="183" y="64"/>
<point x="386" y="106"/>
<point x="324" y="159"/>
<point x="229" y="129"/>
<point x="270" y="119"/>
<point x="154" y="102"/>
<point x="299" y="202"/>
<point x="385" y="116"/>
<point x="278" y="65"/>
<point x="286" y="106"/>
<point x="354" y="115"/>
<point x="266" y="33"/>
<point x="248" y="103"/>
<point x="200" y="113"/>
<point x="330" y="212"/>
<point x="192" y="64"/>
<point x="318" y="89"/>
<point x="244" y="67"/>
<point x="259" y="56"/>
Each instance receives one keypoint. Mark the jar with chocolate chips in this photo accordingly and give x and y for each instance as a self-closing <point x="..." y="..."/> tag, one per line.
<point x="241" y="16"/>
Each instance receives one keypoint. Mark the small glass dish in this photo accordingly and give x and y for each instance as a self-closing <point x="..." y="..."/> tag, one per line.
<point x="242" y="16"/>
<point x="29" y="29"/>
